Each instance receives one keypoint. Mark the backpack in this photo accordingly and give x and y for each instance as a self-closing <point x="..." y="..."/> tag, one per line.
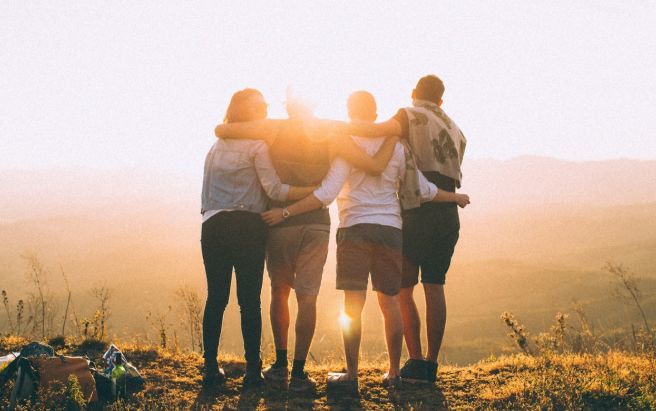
<point x="40" y="372"/>
<point x="33" y="349"/>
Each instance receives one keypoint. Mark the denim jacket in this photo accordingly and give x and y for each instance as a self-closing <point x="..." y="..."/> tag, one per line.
<point x="239" y="175"/>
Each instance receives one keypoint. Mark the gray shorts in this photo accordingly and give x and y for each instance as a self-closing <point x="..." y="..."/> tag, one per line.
<point x="296" y="256"/>
<point x="369" y="248"/>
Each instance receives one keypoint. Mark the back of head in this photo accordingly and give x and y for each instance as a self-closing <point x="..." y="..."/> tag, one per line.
<point x="245" y="105"/>
<point x="429" y="88"/>
<point x="362" y="106"/>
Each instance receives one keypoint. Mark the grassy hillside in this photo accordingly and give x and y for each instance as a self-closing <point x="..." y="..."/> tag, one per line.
<point x="534" y="249"/>
<point x="503" y="263"/>
<point x="611" y="381"/>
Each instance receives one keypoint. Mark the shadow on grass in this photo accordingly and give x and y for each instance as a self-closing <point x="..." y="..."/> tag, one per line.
<point x="282" y="399"/>
<point x="224" y="395"/>
<point x="419" y="397"/>
<point x="342" y="400"/>
<point x="250" y="399"/>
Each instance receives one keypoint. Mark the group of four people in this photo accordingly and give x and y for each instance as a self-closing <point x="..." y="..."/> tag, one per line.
<point x="395" y="188"/>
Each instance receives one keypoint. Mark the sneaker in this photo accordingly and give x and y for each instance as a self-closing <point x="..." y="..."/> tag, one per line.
<point x="415" y="371"/>
<point x="213" y="375"/>
<point x="276" y="374"/>
<point x="392" y="382"/>
<point x="253" y="377"/>
<point x="338" y="381"/>
<point x="303" y="383"/>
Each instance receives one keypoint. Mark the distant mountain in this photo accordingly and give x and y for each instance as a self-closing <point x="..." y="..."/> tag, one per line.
<point x="533" y="241"/>
<point x="540" y="182"/>
<point x="29" y="194"/>
<point x="494" y="185"/>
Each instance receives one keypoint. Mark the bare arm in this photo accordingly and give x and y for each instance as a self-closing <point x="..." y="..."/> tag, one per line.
<point x="266" y="173"/>
<point x="390" y="127"/>
<point x="255" y="130"/>
<point x="309" y="203"/>
<point x="271" y="182"/>
<point x="296" y="193"/>
<point x="346" y="148"/>
<point x="448" y="197"/>
<point x="429" y="192"/>
<point x="324" y="195"/>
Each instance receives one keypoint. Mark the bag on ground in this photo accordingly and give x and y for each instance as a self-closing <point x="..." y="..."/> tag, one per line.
<point x="39" y="373"/>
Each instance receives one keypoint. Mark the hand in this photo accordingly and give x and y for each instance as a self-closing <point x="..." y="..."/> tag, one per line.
<point x="462" y="200"/>
<point x="219" y="131"/>
<point x="273" y="216"/>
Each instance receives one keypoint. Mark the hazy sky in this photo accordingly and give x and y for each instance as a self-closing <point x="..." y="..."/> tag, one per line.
<point x="142" y="84"/>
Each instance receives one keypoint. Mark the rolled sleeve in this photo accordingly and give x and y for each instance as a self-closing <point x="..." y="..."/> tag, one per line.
<point x="333" y="182"/>
<point x="427" y="190"/>
<point x="267" y="175"/>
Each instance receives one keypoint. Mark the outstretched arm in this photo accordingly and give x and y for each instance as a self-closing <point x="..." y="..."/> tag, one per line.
<point x="390" y="127"/>
<point x="255" y="130"/>
<point x="346" y="148"/>
<point x="297" y="193"/>
<point x="309" y="203"/>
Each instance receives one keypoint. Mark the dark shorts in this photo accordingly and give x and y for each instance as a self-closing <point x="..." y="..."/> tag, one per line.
<point x="369" y="248"/>
<point x="429" y="239"/>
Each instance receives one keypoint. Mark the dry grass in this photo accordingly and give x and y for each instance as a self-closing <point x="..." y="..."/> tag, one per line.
<point x="611" y="381"/>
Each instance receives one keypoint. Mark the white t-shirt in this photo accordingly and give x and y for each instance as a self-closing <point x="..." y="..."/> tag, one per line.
<point x="363" y="198"/>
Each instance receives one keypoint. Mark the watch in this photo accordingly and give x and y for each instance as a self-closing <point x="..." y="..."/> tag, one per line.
<point x="285" y="213"/>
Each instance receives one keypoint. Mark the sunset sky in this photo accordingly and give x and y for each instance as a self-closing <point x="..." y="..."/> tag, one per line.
<point x="142" y="84"/>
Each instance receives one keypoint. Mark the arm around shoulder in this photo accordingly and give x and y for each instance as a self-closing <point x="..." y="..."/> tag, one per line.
<point x="390" y="127"/>
<point x="255" y="130"/>
<point x="346" y="148"/>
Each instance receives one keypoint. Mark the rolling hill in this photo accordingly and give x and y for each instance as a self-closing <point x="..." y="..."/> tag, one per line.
<point x="533" y="241"/>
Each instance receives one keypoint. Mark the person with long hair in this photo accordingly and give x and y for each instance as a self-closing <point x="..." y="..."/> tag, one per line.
<point x="238" y="181"/>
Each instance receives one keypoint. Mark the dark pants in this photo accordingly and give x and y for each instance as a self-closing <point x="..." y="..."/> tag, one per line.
<point x="233" y="239"/>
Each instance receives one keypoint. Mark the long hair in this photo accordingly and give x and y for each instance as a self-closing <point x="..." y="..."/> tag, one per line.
<point x="235" y="112"/>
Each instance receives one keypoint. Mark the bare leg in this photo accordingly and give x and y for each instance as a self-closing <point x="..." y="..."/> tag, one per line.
<point x="411" y="323"/>
<point x="391" y="309"/>
<point x="352" y="333"/>
<point x="279" y="311"/>
<point x="435" y="318"/>
<point x="306" y="320"/>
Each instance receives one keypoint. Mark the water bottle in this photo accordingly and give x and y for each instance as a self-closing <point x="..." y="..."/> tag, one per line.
<point x="118" y="377"/>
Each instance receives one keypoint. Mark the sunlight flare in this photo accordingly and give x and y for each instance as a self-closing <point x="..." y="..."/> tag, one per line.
<point x="344" y="321"/>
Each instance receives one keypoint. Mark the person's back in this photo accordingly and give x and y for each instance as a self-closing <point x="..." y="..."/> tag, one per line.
<point x="365" y="198"/>
<point x="431" y="231"/>
<point x="231" y="180"/>
<point x="299" y="160"/>
<point x="238" y="176"/>
<point x="438" y="146"/>
<point x="297" y="250"/>
<point x="369" y="238"/>
<point x="437" y="143"/>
